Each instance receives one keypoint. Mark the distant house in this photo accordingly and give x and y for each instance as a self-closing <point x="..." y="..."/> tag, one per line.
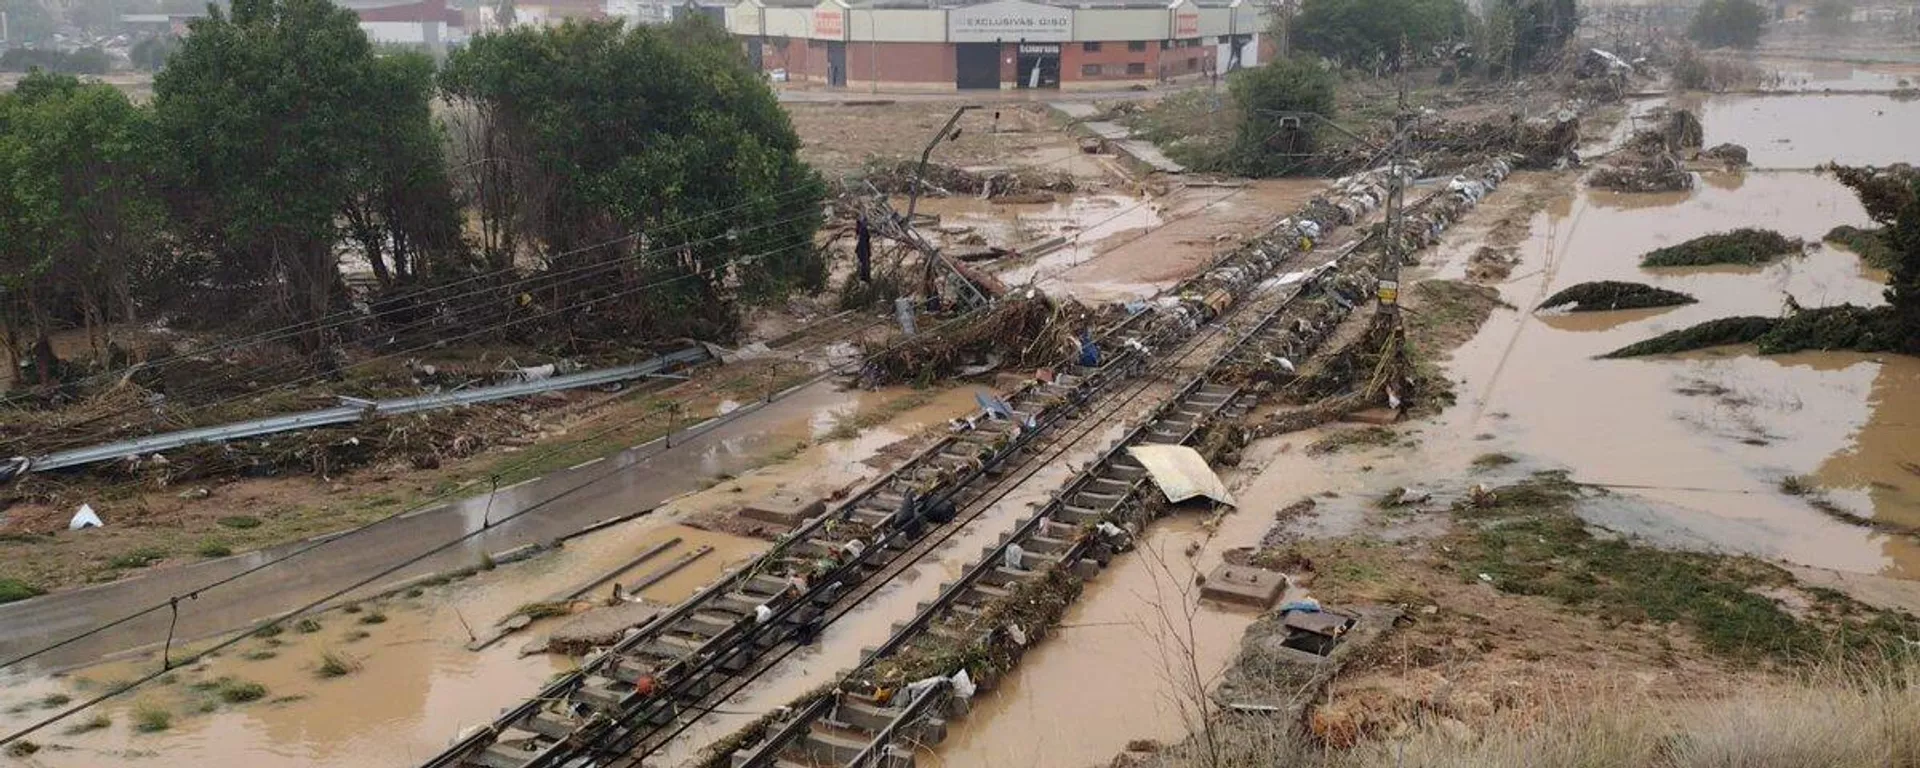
<point x="542" y="13"/>
<point x="174" y="24"/>
<point x="665" y="11"/>
<point x="428" y="23"/>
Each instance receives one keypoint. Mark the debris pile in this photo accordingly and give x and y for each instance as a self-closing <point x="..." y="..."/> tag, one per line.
<point x="947" y="181"/>
<point x="1740" y="246"/>
<point x="1650" y="161"/>
<point x="1661" y="172"/>
<point x="1022" y="332"/>
<point x="1541" y="143"/>
<point x="1732" y="155"/>
<point x="1610" y="294"/>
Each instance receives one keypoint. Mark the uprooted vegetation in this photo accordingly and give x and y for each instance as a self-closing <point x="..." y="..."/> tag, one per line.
<point x="1610" y="294"/>
<point x="1873" y="244"/>
<point x="1841" y="327"/>
<point x="1743" y="246"/>
<point x="1651" y="159"/>
<point x="1024" y="332"/>
<point x="898" y="177"/>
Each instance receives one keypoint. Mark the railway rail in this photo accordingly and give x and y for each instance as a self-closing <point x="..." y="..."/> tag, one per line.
<point x="669" y="665"/>
<point x="624" y="703"/>
<point x="868" y="726"/>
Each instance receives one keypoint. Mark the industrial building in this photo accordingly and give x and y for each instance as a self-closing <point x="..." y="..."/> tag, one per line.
<point x="1005" y="44"/>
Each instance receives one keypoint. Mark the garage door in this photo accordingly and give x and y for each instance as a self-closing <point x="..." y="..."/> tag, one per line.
<point x="978" y="65"/>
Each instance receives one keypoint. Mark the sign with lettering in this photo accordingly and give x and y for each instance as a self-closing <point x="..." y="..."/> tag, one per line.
<point x="1010" y="21"/>
<point x="829" y="24"/>
<point x="1186" y="24"/>
<point x="1040" y="49"/>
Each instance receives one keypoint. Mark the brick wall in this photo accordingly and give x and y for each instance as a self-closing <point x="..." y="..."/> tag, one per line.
<point x="900" y="63"/>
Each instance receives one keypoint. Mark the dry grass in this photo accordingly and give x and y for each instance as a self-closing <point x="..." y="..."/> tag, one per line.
<point x="1841" y="720"/>
<point x="1831" y="719"/>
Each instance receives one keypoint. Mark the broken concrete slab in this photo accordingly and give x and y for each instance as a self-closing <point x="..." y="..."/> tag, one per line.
<point x="1244" y="585"/>
<point x="784" y="509"/>
<point x="599" y="627"/>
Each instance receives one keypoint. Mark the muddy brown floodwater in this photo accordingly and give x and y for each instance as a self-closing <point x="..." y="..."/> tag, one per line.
<point x="1805" y="131"/>
<point x="418" y="685"/>
<point x="1695" y="445"/>
<point x="1120" y="247"/>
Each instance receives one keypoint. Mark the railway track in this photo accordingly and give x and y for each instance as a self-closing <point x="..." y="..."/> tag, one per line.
<point x="866" y="722"/>
<point x="625" y="699"/>
<point x="626" y="702"/>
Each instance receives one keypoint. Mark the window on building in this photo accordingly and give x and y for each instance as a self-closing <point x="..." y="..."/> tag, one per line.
<point x="1166" y="44"/>
<point x="1090" y="47"/>
<point x="1136" y="46"/>
<point x="1137" y="68"/>
<point x="1089" y="70"/>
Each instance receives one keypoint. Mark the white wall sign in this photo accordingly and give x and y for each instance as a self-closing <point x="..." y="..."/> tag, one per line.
<point x="1009" y="20"/>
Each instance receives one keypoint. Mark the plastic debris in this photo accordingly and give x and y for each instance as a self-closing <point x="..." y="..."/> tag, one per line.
<point x="85" y="518"/>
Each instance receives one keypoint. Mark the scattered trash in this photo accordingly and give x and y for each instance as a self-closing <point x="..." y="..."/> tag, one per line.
<point x="85" y="518"/>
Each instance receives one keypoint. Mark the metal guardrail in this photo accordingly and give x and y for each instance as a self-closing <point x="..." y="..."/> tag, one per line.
<point x="344" y="414"/>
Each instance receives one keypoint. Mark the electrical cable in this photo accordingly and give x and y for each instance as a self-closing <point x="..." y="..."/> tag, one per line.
<point x="346" y="316"/>
<point x="349" y="533"/>
<point x="544" y="280"/>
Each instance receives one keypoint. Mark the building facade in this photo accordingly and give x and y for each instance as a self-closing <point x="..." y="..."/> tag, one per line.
<point x="1004" y="44"/>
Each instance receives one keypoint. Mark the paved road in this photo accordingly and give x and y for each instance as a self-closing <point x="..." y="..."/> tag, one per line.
<point x="636" y="479"/>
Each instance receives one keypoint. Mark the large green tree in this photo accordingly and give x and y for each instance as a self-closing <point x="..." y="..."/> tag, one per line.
<point x="1371" y="32"/>
<point x="272" y="116"/>
<point x="1891" y="197"/>
<point x="652" y="156"/>
<point x="1281" y="107"/>
<point x="1727" y="24"/>
<point x="403" y="217"/>
<point x="78" y="215"/>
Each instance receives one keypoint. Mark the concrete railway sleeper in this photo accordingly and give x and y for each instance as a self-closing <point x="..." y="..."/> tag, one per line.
<point x="871" y="717"/>
<point x="623" y="697"/>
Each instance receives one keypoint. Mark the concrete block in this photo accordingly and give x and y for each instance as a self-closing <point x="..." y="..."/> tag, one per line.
<point x="1244" y="585"/>
<point x="784" y="509"/>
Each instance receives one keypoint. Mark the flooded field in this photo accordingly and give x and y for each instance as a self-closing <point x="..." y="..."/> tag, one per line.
<point x="1695" y="446"/>
<point x="413" y="687"/>
<point x="1805" y="131"/>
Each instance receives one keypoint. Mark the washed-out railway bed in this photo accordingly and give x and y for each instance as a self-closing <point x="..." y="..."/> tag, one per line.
<point x="634" y="696"/>
<point x="981" y="624"/>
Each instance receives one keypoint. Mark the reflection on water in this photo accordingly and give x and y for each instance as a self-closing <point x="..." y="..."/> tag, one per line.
<point x="415" y="687"/>
<point x="1805" y="131"/>
<point x="1712" y="432"/>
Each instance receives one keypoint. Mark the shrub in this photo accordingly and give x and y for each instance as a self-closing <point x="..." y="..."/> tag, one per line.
<point x="151" y="718"/>
<point x="15" y="589"/>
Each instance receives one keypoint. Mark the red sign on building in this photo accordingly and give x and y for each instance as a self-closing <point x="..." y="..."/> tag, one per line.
<point x="830" y="24"/>
<point x="1186" y="24"/>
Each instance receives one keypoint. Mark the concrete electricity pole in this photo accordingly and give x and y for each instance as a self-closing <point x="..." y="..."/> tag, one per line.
<point x="1389" y="291"/>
